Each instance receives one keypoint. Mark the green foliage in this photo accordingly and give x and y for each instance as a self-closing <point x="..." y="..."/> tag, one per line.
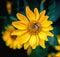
<point x="50" y="6"/>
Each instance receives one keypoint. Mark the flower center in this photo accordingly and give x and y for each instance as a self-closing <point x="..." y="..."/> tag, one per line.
<point x="13" y="37"/>
<point x="34" y="27"/>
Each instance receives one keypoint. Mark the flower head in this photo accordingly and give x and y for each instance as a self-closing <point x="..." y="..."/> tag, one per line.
<point x="58" y="39"/>
<point x="57" y="54"/>
<point x="51" y="55"/>
<point x="33" y="29"/>
<point x="11" y="40"/>
<point x="9" y="7"/>
<point x="57" y="47"/>
<point x="54" y="54"/>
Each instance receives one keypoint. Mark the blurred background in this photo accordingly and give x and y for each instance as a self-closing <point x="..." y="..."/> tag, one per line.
<point x="8" y="10"/>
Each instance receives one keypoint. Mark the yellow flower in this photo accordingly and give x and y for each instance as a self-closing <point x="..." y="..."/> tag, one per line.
<point x="11" y="40"/>
<point x="33" y="29"/>
<point x="57" y="54"/>
<point x="51" y="55"/>
<point x="57" y="48"/>
<point x="58" y="39"/>
<point x="9" y="7"/>
<point x="54" y="54"/>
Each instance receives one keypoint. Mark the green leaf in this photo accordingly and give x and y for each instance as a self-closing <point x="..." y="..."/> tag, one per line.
<point x="33" y="4"/>
<point x="50" y="6"/>
<point x="13" y="18"/>
<point x="41" y="6"/>
<point x="39" y="51"/>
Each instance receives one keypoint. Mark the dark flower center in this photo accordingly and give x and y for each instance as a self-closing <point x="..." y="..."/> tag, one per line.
<point x="13" y="37"/>
<point x="34" y="27"/>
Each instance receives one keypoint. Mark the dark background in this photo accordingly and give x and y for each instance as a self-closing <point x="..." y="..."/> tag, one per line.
<point x="4" y="50"/>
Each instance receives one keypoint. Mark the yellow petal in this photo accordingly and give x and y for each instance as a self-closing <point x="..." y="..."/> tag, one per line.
<point x="11" y="46"/>
<point x="19" y="46"/>
<point x="10" y="28"/>
<point x="24" y="38"/>
<point x="49" y="34"/>
<point x="43" y="18"/>
<point x="14" y="44"/>
<point x="57" y="48"/>
<point x="58" y="54"/>
<point x="32" y="40"/>
<point x="42" y="14"/>
<point x="8" y="42"/>
<point x="47" y="28"/>
<point x="43" y="36"/>
<point x="36" y="44"/>
<point x="58" y="39"/>
<point x="29" y="50"/>
<point x="22" y="18"/>
<point x="19" y="25"/>
<point x="18" y="32"/>
<point x="46" y="23"/>
<point x="30" y="14"/>
<point x="5" y="38"/>
<point x="42" y="43"/>
<point x="26" y="45"/>
<point x="36" y="13"/>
